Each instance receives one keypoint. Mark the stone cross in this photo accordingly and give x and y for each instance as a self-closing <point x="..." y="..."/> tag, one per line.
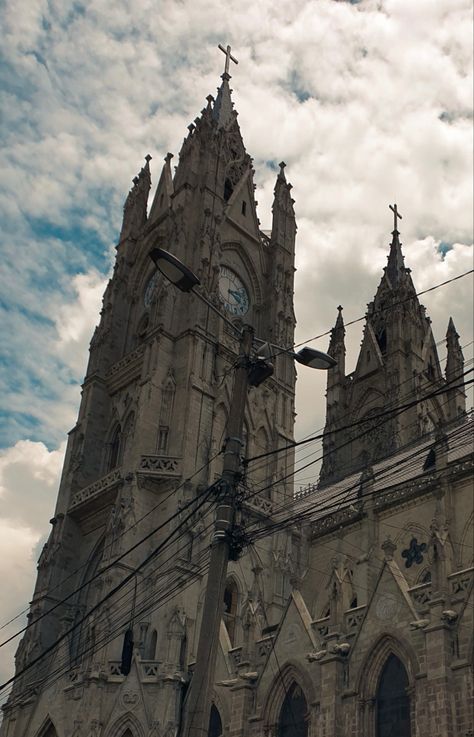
<point x="396" y="215"/>
<point x="228" y="58"/>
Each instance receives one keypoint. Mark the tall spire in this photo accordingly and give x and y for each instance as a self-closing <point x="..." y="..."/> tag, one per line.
<point x="283" y="223"/>
<point x="134" y="210"/>
<point x="337" y="348"/>
<point x="164" y="191"/>
<point x="396" y="264"/>
<point x="454" y="373"/>
<point x="455" y="358"/>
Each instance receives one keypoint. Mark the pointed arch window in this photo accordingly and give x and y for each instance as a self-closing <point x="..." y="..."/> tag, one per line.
<point x="215" y="723"/>
<point x="393" y="701"/>
<point x="382" y="341"/>
<point x="293" y="720"/>
<point x="115" y="449"/>
<point x="49" y="730"/>
<point x="151" y="641"/>
<point x="228" y="189"/>
<point x="166" y="411"/>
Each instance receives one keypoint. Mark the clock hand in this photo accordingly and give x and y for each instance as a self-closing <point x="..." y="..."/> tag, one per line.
<point x="236" y="295"/>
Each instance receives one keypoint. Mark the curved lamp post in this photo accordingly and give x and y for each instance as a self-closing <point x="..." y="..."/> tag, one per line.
<point x="250" y="371"/>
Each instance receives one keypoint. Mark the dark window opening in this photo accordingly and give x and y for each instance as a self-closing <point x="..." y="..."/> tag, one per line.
<point x="293" y="721"/>
<point x="353" y="602"/>
<point x="163" y="433"/>
<point x="430" y="370"/>
<point x="426" y="577"/>
<point x="368" y="356"/>
<point x="228" y="189"/>
<point x="393" y="702"/>
<point x="244" y="207"/>
<point x="114" y="454"/>
<point x="150" y="651"/>
<point x="215" y="723"/>
<point x="430" y="461"/>
<point x="382" y="341"/>
<point x="230" y="609"/>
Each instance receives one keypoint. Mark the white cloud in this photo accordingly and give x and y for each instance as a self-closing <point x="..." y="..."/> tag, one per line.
<point x="29" y="478"/>
<point x="367" y="104"/>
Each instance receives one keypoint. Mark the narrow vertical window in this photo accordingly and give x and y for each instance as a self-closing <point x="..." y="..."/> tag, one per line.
<point x="393" y="702"/>
<point x="244" y="207"/>
<point x="293" y="721"/>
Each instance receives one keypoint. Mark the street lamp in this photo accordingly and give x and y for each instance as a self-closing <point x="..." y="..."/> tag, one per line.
<point x="250" y="371"/>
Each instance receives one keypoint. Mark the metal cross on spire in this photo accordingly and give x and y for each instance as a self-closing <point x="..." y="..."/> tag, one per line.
<point x="396" y="215"/>
<point x="228" y="58"/>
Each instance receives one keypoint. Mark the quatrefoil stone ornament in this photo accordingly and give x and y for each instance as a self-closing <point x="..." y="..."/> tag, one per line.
<point x="414" y="553"/>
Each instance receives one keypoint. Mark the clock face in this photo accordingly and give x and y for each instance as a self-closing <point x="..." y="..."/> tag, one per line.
<point x="232" y="292"/>
<point x="150" y="289"/>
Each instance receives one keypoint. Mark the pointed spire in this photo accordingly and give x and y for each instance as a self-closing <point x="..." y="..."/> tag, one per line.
<point x="283" y="221"/>
<point x="455" y="358"/>
<point x="223" y="111"/>
<point x="164" y="191"/>
<point x="337" y="348"/>
<point x="396" y="265"/>
<point x="134" y="210"/>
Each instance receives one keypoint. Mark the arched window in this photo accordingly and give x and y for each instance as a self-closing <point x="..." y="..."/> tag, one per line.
<point x="115" y="447"/>
<point x="150" y="649"/>
<point x="230" y="608"/>
<point x="382" y="341"/>
<point x="228" y="189"/>
<point x="393" y="702"/>
<point x="215" y="723"/>
<point x="166" y="411"/>
<point x="49" y="730"/>
<point x="293" y="720"/>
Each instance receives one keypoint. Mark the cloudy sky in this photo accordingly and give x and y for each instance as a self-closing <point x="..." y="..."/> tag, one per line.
<point x="368" y="103"/>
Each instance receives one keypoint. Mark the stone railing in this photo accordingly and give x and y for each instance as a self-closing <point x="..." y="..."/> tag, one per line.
<point x="322" y="627"/>
<point x="421" y="596"/>
<point x="460" y="583"/>
<point x="126" y="361"/>
<point x="150" y="669"/>
<point x="160" y="465"/>
<point x="236" y="656"/>
<point x="97" y="488"/>
<point x="353" y="619"/>
<point x="260" y="504"/>
<point x="113" y="669"/>
<point x="263" y="647"/>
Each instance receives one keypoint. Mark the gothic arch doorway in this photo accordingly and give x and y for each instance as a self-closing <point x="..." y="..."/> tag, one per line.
<point x="293" y="719"/>
<point x="393" y="701"/>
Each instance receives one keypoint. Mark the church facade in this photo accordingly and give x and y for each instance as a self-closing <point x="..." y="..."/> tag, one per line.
<point x="350" y="611"/>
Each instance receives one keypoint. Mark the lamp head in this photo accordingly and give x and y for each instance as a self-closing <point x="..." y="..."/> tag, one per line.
<point x="174" y="270"/>
<point x="314" y="359"/>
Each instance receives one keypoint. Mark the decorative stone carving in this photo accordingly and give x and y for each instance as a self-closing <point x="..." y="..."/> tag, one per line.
<point x="89" y="492"/>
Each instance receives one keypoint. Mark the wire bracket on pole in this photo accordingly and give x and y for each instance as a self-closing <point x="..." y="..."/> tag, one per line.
<point x="237" y="540"/>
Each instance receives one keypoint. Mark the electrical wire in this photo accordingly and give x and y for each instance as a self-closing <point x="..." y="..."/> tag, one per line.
<point x="116" y="560"/>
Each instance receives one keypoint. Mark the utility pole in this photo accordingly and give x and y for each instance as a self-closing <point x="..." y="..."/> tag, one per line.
<point x="198" y="701"/>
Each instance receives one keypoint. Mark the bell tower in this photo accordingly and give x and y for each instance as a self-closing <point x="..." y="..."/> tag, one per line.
<point x="148" y="444"/>
<point x="398" y="365"/>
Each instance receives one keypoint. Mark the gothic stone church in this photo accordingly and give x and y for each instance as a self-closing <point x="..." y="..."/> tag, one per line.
<point x="350" y="613"/>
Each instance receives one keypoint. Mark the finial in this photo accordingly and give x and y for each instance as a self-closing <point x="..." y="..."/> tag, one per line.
<point x="148" y="158"/>
<point x="340" y="308"/>
<point x="282" y="166"/>
<point x="168" y="157"/>
<point x="396" y="215"/>
<point x="228" y="59"/>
